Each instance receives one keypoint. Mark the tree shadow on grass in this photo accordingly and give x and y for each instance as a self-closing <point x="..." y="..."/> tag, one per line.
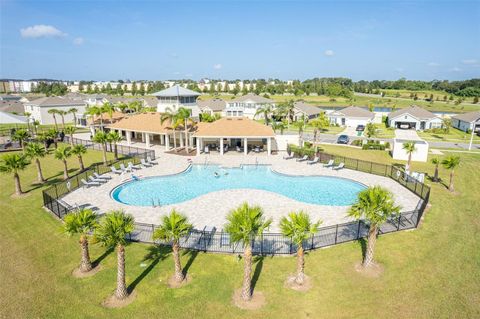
<point x="193" y="254"/>
<point x="155" y="254"/>
<point x="258" y="269"/>
<point x="97" y="261"/>
<point x="363" y="244"/>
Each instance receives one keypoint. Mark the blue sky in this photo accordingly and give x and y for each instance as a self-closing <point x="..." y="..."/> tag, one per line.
<point x="108" y="40"/>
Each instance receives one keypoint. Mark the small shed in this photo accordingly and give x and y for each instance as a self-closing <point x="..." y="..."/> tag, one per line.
<point x="420" y="154"/>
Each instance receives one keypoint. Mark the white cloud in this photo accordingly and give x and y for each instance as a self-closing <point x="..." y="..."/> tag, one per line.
<point x="329" y="53"/>
<point x="217" y="66"/>
<point x="455" y="69"/>
<point x="433" y="64"/>
<point x="41" y="31"/>
<point x="78" y="41"/>
<point x="470" y="61"/>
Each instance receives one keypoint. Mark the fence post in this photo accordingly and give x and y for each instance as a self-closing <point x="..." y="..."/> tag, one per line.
<point x="336" y="233"/>
<point x="358" y="230"/>
<point x="399" y="218"/>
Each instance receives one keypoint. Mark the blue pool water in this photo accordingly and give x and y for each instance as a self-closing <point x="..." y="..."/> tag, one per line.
<point x="199" y="180"/>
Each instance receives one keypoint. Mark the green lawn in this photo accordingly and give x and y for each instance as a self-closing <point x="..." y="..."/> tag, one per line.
<point x="453" y="135"/>
<point x="430" y="272"/>
<point x="383" y="131"/>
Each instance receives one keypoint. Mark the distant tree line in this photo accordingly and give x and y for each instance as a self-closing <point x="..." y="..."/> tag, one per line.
<point x="55" y="88"/>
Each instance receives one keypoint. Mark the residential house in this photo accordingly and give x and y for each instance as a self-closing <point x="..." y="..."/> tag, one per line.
<point x="467" y="121"/>
<point x="247" y="106"/>
<point x="307" y="111"/>
<point x="212" y="106"/>
<point x="96" y="99"/>
<point x="351" y="116"/>
<point x="176" y="97"/>
<point x="414" y="117"/>
<point x="39" y="109"/>
<point x="12" y="106"/>
<point x="9" y="118"/>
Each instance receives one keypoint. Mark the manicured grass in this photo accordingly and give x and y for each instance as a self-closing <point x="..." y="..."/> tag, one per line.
<point x="429" y="272"/>
<point x="383" y="131"/>
<point x="453" y="135"/>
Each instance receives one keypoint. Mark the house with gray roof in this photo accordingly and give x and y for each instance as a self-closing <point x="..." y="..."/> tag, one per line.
<point x="39" y="109"/>
<point x="12" y="106"/>
<point x="308" y="111"/>
<point x="176" y="97"/>
<point x="9" y="118"/>
<point x="467" y="121"/>
<point x="351" y="116"/>
<point x="247" y="105"/>
<point x="212" y="106"/>
<point x="414" y="117"/>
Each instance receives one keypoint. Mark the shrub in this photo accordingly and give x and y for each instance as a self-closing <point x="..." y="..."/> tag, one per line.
<point x="357" y="143"/>
<point x="373" y="146"/>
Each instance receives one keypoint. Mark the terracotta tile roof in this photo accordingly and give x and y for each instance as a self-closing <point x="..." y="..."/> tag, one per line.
<point x="234" y="127"/>
<point x="143" y="122"/>
<point x="116" y="116"/>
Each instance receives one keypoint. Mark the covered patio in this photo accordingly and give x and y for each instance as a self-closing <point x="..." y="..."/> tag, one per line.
<point x="236" y="135"/>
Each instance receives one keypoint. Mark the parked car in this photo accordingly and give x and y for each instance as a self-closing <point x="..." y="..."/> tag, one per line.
<point x="343" y="139"/>
<point x="360" y="128"/>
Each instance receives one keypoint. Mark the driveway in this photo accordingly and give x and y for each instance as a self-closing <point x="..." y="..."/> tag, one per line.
<point x="350" y="131"/>
<point x="410" y="135"/>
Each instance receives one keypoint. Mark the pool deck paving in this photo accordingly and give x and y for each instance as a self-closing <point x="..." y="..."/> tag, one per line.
<point x="210" y="209"/>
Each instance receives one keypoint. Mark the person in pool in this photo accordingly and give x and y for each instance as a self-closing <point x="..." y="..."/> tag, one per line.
<point x="216" y="175"/>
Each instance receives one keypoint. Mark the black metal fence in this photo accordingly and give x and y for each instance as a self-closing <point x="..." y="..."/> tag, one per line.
<point x="268" y="243"/>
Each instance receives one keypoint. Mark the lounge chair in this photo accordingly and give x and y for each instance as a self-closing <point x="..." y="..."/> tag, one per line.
<point x="132" y="167"/>
<point x="239" y="149"/>
<point x="287" y="157"/>
<point x="206" y="150"/>
<point x="115" y="170"/>
<point x="88" y="184"/>
<point x="329" y="164"/>
<point x="125" y="169"/>
<point x="145" y="164"/>
<point x="304" y="158"/>
<point x="149" y="160"/>
<point x="92" y="179"/>
<point x="315" y="161"/>
<point x="101" y="176"/>
<point x="339" y="167"/>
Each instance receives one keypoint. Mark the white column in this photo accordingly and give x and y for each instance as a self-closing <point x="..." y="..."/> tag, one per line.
<point x="162" y="139"/>
<point x="92" y="130"/>
<point x="147" y="140"/>
<point x="181" y="139"/>
<point x="143" y="137"/>
<point x="269" y="146"/>
<point x="199" y="145"/>
<point x="245" y="146"/>
<point x="129" y="137"/>
<point x="167" y="142"/>
<point x="221" y="146"/>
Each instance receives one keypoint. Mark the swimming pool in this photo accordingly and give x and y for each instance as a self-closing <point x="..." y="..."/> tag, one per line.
<point x="199" y="180"/>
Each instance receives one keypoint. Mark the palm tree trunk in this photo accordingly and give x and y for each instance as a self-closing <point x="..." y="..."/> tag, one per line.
<point x="372" y="238"/>
<point x="121" y="292"/>
<point x="115" y="151"/>
<point x="409" y="160"/>
<point x="104" y="147"/>
<point x="174" y="141"/>
<point x="65" y="169"/>
<point x="299" y="279"/>
<point x="80" y="161"/>
<point x="63" y="123"/>
<point x="55" y="121"/>
<point x="39" y="171"/>
<point x="247" y="274"/>
<point x="450" y="186"/>
<point x="18" y="187"/>
<point x="186" y="137"/>
<point x="178" y="266"/>
<point x="435" y="175"/>
<point x="71" y="139"/>
<point x="86" y="264"/>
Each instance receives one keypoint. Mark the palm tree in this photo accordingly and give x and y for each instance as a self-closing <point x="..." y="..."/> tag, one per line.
<point x="63" y="153"/>
<point x="266" y="110"/>
<point x="21" y="136"/>
<point x="300" y="125"/>
<point x="375" y="205"/>
<point x="112" y="232"/>
<point x="36" y="151"/>
<point x="114" y="137"/>
<point x="35" y="124"/>
<point x="288" y="109"/>
<point x="95" y="111"/>
<point x="13" y="163"/>
<point x="54" y="112"/>
<point x="451" y="162"/>
<point x="409" y="147"/>
<point x="102" y="138"/>
<point x="184" y="115"/>
<point x="73" y="111"/>
<point x="279" y="126"/>
<point x="245" y="224"/>
<point x="79" y="150"/>
<point x="436" y="162"/>
<point x="81" y="222"/>
<point x="70" y="130"/>
<point x="299" y="228"/>
<point x="109" y="109"/>
<point x="62" y="115"/>
<point x="172" y="228"/>
<point x="53" y="134"/>
<point x="27" y="114"/>
<point x="171" y="116"/>
<point x="318" y="124"/>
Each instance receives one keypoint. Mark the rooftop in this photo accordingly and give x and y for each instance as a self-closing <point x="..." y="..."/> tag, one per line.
<point x="142" y="122"/>
<point x="468" y="117"/>
<point x="307" y="108"/>
<point x="216" y="104"/>
<point x="414" y="111"/>
<point x="55" y="101"/>
<point x="251" y="97"/>
<point x="176" y="90"/>
<point x="234" y="127"/>
<point x="355" y="111"/>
